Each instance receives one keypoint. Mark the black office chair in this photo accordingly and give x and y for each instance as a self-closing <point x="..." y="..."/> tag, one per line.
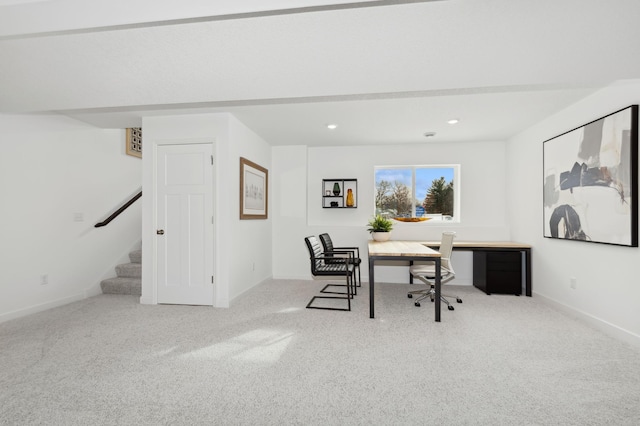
<point x="340" y="265"/>
<point x="329" y="247"/>
<point x="427" y="273"/>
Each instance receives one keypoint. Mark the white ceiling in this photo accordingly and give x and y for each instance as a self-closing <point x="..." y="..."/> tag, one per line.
<point x="384" y="71"/>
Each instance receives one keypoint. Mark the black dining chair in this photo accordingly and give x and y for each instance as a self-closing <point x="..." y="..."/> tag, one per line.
<point x="340" y="265"/>
<point x="327" y="243"/>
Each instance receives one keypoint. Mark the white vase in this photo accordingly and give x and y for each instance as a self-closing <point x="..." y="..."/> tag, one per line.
<point x="381" y="236"/>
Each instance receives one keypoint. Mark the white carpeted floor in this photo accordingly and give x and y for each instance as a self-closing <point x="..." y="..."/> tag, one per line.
<point x="495" y="360"/>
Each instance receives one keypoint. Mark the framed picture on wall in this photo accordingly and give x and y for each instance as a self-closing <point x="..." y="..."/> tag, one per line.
<point x="591" y="181"/>
<point x="254" y="190"/>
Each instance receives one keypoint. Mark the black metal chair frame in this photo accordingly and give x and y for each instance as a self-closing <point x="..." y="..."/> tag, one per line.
<point x="338" y="258"/>
<point x="327" y="243"/>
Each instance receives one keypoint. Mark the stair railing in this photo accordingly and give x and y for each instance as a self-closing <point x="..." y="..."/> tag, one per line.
<point x="120" y="210"/>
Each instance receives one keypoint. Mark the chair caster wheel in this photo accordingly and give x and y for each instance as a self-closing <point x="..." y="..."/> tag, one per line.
<point x="450" y="307"/>
<point x="459" y="300"/>
<point x="417" y="304"/>
<point x="410" y="296"/>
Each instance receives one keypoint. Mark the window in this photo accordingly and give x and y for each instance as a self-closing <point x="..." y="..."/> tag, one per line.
<point x="418" y="191"/>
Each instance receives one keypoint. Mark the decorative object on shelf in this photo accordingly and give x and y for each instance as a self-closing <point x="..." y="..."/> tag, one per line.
<point x="134" y="141"/>
<point x="411" y="219"/>
<point x="350" y="197"/>
<point x="340" y="193"/>
<point x="380" y="228"/>
<point x="590" y="181"/>
<point x="254" y="190"/>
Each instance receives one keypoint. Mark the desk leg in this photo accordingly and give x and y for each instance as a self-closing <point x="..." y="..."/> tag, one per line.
<point x="527" y="265"/>
<point x="410" y="276"/>
<point x="438" y="288"/>
<point x="371" y="285"/>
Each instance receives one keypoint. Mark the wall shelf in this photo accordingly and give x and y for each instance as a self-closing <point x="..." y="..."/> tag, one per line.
<point x="335" y="193"/>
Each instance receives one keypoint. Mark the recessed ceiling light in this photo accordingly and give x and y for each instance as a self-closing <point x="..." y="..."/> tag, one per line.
<point x="332" y="126"/>
<point x="453" y="121"/>
<point x="429" y="134"/>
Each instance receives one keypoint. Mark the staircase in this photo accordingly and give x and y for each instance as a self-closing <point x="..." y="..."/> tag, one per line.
<point x="129" y="277"/>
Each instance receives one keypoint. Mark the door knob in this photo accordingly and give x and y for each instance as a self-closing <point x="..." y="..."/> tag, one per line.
<point x="160" y="232"/>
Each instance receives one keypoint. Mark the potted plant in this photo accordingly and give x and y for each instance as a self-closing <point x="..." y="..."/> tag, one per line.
<point x="380" y="228"/>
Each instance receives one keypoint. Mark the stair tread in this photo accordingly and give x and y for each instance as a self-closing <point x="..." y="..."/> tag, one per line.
<point x="121" y="285"/>
<point x="130" y="270"/>
<point x="136" y="256"/>
<point x="123" y="279"/>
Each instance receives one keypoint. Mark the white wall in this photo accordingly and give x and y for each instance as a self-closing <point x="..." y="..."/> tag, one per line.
<point x="607" y="290"/>
<point x="298" y="172"/>
<point x="238" y="245"/>
<point x="289" y="208"/>
<point x="251" y="240"/>
<point x="52" y="171"/>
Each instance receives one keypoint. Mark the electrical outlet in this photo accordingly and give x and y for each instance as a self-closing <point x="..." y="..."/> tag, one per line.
<point x="44" y="279"/>
<point x="573" y="283"/>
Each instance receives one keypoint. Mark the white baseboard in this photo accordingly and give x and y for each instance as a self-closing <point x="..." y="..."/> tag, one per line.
<point x="602" y="325"/>
<point x="41" y="307"/>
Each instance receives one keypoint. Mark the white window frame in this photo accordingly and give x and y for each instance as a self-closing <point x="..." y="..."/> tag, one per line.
<point x="456" y="188"/>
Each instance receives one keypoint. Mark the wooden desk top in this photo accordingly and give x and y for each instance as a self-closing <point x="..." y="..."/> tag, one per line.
<point x="481" y="244"/>
<point x="401" y="248"/>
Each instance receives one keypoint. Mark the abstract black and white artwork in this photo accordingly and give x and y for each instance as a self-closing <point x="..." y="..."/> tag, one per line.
<point x="591" y="181"/>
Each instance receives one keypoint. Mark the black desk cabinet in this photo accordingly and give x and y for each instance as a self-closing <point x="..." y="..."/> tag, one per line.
<point x="498" y="271"/>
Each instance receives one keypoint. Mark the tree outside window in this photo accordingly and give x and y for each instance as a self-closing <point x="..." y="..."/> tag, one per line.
<point x="439" y="198"/>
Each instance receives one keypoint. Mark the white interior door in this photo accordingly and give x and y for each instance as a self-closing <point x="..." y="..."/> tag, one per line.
<point x="184" y="237"/>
